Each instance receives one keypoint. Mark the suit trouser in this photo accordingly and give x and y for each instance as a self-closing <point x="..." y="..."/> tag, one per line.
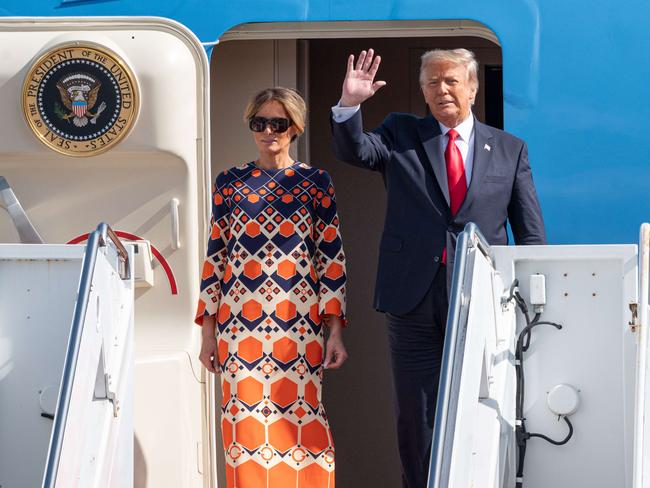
<point x="416" y="340"/>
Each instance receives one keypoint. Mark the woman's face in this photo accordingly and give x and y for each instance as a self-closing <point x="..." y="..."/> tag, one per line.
<point x="270" y="142"/>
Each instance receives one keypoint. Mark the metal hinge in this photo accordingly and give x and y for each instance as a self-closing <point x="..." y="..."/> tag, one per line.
<point x="634" y="323"/>
<point x="110" y="394"/>
<point x="104" y="388"/>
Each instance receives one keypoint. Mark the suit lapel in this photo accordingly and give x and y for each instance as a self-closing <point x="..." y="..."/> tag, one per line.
<point x="482" y="154"/>
<point x="429" y="132"/>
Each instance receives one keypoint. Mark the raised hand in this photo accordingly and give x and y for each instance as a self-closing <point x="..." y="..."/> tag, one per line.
<point x="359" y="83"/>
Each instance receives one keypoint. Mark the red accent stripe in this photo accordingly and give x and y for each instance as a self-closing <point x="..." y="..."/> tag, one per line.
<point x="132" y="237"/>
<point x="77" y="240"/>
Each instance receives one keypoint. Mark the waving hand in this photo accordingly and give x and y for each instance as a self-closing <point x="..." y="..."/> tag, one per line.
<point x="359" y="83"/>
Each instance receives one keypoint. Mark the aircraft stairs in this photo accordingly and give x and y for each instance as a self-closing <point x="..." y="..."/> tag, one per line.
<point x="66" y="359"/>
<point x="544" y="381"/>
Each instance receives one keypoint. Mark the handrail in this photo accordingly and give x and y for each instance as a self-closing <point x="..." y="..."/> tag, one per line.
<point x="106" y="232"/>
<point x="642" y="446"/>
<point x="476" y="239"/>
<point x="8" y="200"/>
<point x="95" y="240"/>
<point x="451" y="364"/>
<point x="176" y="233"/>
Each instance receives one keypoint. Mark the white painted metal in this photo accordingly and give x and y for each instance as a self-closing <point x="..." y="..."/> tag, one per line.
<point x="538" y="291"/>
<point x="585" y="371"/>
<point x="47" y="399"/>
<point x="8" y="201"/>
<point x="97" y="449"/>
<point x="365" y="29"/>
<point x="484" y="429"/>
<point x="588" y="290"/>
<point x="176" y="233"/>
<point x="143" y="275"/>
<point x="38" y="292"/>
<point x="642" y="404"/>
<point x="165" y="156"/>
<point x="563" y="400"/>
<point x="38" y="286"/>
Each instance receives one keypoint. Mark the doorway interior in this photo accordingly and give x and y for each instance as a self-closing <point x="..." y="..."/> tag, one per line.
<point x="312" y="59"/>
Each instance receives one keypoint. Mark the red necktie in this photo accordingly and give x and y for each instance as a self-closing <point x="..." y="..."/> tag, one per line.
<point x="456" y="181"/>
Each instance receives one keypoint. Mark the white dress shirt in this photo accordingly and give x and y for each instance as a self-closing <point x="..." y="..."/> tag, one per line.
<point x="464" y="141"/>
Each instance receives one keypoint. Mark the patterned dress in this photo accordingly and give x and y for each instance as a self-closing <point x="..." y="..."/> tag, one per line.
<point x="275" y="265"/>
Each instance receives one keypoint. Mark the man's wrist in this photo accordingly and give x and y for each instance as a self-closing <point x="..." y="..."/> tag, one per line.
<point x="345" y="103"/>
<point x="340" y="113"/>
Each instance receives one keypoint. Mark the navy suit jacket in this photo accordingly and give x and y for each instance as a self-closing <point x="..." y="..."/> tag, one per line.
<point x="419" y="224"/>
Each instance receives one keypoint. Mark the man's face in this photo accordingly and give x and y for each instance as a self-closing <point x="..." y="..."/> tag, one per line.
<point x="448" y="92"/>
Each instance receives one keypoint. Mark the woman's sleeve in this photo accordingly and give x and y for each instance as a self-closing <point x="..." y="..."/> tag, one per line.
<point x="217" y="254"/>
<point x="329" y="255"/>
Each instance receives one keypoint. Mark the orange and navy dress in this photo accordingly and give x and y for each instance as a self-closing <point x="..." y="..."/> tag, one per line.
<point x="275" y="265"/>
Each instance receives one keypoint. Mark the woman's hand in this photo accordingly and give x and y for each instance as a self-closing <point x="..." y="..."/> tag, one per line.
<point x="209" y="356"/>
<point x="335" y="353"/>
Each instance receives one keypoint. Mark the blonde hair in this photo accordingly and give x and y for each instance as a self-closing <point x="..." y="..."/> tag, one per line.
<point x="461" y="56"/>
<point x="289" y="98"/>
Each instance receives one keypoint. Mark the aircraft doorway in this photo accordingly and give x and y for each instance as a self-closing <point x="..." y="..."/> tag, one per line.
<point x="312" y="59"/>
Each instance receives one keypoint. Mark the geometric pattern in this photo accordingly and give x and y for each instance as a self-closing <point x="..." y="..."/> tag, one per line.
<point x="275" y="265"/>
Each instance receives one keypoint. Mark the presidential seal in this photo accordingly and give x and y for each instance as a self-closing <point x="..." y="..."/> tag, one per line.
<point x="80" y="99"/>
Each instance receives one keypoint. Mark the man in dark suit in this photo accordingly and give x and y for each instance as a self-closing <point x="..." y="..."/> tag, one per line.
<point x="440" y="172"/>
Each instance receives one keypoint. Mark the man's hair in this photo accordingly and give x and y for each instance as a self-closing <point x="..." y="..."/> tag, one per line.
<point x="290" y="99"/>
<point x="461" y="56"/>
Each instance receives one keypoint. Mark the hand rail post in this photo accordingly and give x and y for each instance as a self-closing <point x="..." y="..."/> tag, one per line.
<point x="452" y="360"/>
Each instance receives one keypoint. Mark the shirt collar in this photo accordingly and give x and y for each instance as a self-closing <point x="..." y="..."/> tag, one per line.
<point x="464" y="129"/>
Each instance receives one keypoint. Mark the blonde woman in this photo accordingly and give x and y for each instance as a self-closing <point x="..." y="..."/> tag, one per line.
<point x="273" y="276"/>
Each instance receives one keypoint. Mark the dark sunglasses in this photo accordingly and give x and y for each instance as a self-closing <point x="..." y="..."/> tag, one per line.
<point x="277" y="124"/>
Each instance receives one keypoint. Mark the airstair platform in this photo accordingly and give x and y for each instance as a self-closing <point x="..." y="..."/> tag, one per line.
<point x="66" y="364"/>
<point x="545" y="377"/>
